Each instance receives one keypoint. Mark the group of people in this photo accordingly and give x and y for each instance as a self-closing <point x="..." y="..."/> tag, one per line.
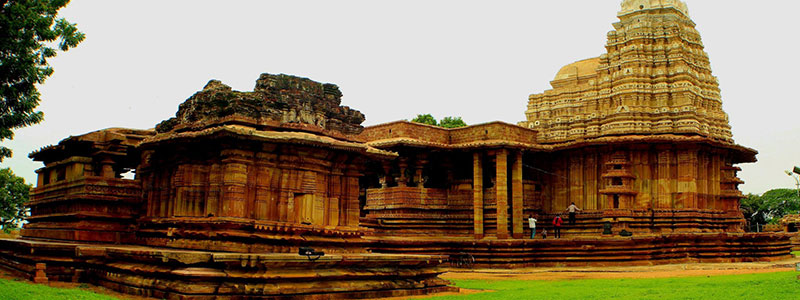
<point x="557" y="222"/>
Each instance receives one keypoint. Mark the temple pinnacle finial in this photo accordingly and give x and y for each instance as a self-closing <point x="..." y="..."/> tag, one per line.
<point x="629" y="6"/>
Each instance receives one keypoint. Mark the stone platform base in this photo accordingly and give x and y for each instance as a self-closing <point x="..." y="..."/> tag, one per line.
<point x="795" y="240"/>
<point x="600" y="251"/>
<point x="184" y="274"/>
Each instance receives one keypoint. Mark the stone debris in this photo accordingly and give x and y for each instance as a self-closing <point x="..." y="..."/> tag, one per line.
<point x="282" y="98"/>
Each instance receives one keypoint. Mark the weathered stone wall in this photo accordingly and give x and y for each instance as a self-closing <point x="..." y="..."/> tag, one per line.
<point x="91" y="209"/>
<point x="649" y="177"/>
<point x="403" y="129"/>
<point x="414" y="211"/>
<point x="269" y="184"/>
<point x="449" y="137"/>
<point x="260" y="190"/>
<point x="647" y="189"/>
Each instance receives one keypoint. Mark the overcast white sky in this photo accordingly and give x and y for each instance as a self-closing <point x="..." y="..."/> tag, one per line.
<point x="393" y="60"/>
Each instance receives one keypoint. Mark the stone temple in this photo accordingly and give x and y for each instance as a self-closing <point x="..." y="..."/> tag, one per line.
<point x="230" y="193"/>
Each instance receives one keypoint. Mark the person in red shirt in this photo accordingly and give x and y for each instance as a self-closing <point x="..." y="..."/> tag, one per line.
<point x="557" y="221"/>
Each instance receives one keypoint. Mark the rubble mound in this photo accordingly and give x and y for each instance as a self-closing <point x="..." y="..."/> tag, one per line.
<point x="276" y="99"/>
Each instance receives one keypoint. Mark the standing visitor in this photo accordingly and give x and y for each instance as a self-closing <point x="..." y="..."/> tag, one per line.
<point x="557" y="221"/>
<point x="571" y="209"/>
<point x="532" y="225"/>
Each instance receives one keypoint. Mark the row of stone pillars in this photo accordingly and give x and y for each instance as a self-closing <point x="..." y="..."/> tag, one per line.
<point x="403" y="164"/>
<point x="501" y="193"/>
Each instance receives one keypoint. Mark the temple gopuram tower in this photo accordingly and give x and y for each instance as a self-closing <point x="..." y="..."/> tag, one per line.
<point x="642" y="126"/>
<point x="654" y="79"/>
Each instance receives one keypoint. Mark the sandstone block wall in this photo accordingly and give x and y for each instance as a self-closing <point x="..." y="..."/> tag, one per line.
<point x="259" y="189"/>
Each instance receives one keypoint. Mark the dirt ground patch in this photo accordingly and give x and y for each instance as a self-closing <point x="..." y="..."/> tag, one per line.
<point x="656" y="271"/>
<point x="571" y="274"/>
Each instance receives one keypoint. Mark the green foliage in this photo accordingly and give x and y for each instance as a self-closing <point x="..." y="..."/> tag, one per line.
<point x="27" y="28"/>
<point x="14" y="194"/>
<point x="771" y="206"/>
<point x="425" y="119"/>
<point x="447" y="122"/>
<point x="17" y="290"/>
<point x="452" y="122"/>
<point x="780" y="285"/>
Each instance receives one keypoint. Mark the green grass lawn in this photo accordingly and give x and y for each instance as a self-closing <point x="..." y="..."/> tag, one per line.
<point x="796" y="253"/>
<point x="18" y="290"/>
<point x="781" y="285"/>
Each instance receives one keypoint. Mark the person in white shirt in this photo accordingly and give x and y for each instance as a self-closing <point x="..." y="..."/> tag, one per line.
<point x="532" y="225"/>
<point x="571" y="209"/>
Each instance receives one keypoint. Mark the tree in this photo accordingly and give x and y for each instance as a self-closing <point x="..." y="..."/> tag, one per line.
<point x="14" y="194"/>
<point x="452" y="122"/>
<point x="27" y="29"/>
<point x="752" y="209"/>
<point x="771" y="206"/>
<point x="447" y="122"/>
<point x="425" y="119"/>
<point x="782" y="202"/>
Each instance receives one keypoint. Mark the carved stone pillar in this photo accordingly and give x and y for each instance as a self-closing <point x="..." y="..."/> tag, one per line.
<point x="418" y="167"/>
<point x="687" y="179"/>
<point x="447" y="164"/>
<point x="477" y="194"/>
<point x="351" y="209"/>
<point x="107" y="168"/>
<point x="501" y="192"/>
<point x="387" y="172"/>
<point x="664" y="182"/>
<point x="403" y="165"/>
<point x="234" y="183"/>
<point x="516" y="197"/>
